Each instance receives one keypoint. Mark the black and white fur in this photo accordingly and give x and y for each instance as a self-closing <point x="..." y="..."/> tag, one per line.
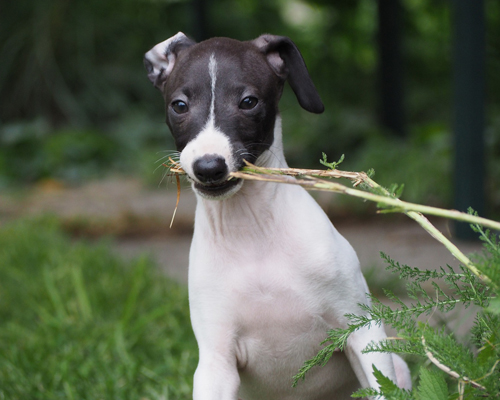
<point x="269" y="275"/>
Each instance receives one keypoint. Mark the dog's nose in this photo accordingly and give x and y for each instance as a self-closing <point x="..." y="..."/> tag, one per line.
<point x="210" y="169"/>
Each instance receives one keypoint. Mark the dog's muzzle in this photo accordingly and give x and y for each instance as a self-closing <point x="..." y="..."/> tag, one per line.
<point x="212" y="173"/>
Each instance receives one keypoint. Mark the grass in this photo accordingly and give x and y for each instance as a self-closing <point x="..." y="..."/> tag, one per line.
<point x="77" y="322"/>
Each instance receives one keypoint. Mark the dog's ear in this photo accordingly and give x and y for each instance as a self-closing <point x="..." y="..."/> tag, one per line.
<point x="160" y="60"/>
<point x="285" y="59"/>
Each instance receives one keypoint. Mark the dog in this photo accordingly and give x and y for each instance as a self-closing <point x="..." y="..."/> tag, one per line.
<point x="269" y="275"/>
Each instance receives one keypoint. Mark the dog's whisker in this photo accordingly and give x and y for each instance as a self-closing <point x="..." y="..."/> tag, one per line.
<point x="160" y="166"/>
<point x="247" y="154"/>
<point x="162" y="178"/>
<point x="173" y="155"/>
<point x="282" y="164"/>
<point x="161" y="159"/>
<point x="156" y="169"/>
<point x="168" y="150"/>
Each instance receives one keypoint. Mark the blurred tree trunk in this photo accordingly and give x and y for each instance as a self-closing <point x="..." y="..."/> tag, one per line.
<point x="390" y="68"/>
<point x="200" y="20"/>
<point x="469" y="104"/>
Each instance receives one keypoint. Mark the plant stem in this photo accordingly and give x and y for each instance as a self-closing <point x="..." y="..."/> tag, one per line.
<point x="308" y="179"/>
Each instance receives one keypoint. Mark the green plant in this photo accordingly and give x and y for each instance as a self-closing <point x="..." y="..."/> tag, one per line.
<point x="77" y="322"/>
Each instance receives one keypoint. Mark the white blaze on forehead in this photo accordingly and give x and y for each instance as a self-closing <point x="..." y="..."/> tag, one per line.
<point x="212" y="70"/>
<point x="210" y="140"/>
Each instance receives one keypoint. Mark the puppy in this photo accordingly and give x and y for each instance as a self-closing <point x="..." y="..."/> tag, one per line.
<point x="269" y="275"/>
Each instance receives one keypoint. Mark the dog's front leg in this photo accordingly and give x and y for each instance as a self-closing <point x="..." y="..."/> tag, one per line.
<point x="216" y="378"/>
<point x="362" y="364"/>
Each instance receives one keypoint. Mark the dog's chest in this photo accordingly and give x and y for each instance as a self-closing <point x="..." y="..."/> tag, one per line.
<point x="277" y="328"/>
<point x="277" y="316"/>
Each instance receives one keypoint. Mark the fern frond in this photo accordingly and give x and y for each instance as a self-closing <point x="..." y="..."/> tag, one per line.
<point x="399" y="345"/>
<point x="319" y="360"/>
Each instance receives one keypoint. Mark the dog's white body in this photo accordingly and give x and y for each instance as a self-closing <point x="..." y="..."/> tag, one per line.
<point x="269" y="275"/>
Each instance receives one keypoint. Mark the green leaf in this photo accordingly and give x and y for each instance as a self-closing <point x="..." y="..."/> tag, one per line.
<point x="386" y="385"/>
<point x="494" y="307"/>
<point x="366" y="392"/>
<point x="487" y="353"/>
<point x="399" y="191"/>
<point x="432" y="385"/>
<point x="387" y="389"/>
<point x="331" y="165"/>
<point x="395" y="190"/>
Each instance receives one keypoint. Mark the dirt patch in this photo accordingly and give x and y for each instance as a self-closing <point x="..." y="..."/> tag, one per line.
<point x="122" y="207"/>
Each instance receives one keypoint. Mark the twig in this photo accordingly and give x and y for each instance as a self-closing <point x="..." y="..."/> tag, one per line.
<point x="176" y="168"/>
<point x="308" y="179"/>
<point x="178" y="181"/>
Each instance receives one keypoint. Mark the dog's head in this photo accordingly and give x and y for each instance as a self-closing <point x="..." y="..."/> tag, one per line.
<point x="221" y="99"/>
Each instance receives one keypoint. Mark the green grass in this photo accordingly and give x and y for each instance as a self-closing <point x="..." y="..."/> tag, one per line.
<point x="77" y="322"/>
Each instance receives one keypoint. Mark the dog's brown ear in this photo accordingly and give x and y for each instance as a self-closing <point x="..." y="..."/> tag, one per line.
<point x="285" y="59"/>
<point x="160" y="60"/>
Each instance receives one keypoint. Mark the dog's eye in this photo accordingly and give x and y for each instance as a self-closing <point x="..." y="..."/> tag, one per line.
<point x="248" y="103"/>
<point x="180" y="107"/>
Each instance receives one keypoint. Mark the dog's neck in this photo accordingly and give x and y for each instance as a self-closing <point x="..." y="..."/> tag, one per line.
<point x="255" y="201"/>
<point x="275" y="156"/>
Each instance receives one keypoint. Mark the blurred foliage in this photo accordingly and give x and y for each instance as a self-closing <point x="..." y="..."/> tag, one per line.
<point x="32" y="153"/>
<point x="76" y="62"/>
<point x="72" y="76"/>
<point x="430" y="181"/>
